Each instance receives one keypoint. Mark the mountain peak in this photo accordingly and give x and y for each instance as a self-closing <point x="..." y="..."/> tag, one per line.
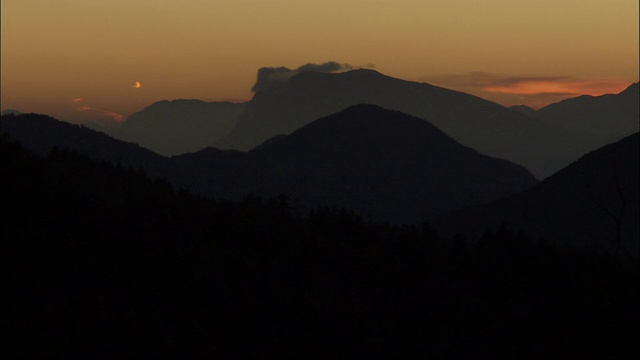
<point x="382" y="163"/>
<point x="366" y="109"/>
<point x="368" y="120"/>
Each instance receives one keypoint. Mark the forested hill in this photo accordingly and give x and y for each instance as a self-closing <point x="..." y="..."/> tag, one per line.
<point x="592" y="202"/>
<point x="103" y="262"/>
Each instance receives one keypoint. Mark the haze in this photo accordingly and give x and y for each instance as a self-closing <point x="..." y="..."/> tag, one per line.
<point x="104" y="59"/>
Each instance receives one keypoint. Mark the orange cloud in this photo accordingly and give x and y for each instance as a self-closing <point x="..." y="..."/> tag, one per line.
<point x="113" y="115"/>
<point x="137" y="85"/>
<point x="76" y="100"/>
<point x="534" y="91"/>
<point x="560" y="86"/>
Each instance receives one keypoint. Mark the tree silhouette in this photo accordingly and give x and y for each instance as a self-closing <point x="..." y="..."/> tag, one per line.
<point x="620" y="198"/>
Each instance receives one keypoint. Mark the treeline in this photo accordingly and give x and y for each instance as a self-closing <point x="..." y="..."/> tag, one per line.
<point x="103" y="261"/>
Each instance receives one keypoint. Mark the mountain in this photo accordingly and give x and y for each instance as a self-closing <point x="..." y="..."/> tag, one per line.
<point x="381" y="163"/>
<point x="610" y="116"/>
<point x="179" y="126"/>
<point x="10" y="112"/>
<point x="104" y="262"/>
<point x="41" y="133"/>
<point x="589" y="203"/>
<point x="525" y="110"/>
<point x="480" y="124"/>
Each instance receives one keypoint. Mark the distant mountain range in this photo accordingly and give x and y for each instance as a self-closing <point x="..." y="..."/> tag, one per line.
<point x="490" y="128"/>
<point x="611" y="116"/>
<point x="383" y="164"/>
<point x="178" y="126"/>
<point x="543" y="141"/>
<point x="591" y="202"/>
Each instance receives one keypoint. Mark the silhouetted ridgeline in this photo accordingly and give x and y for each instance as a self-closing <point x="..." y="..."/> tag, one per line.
<point x="380" y="163"/>
<point x="178" y="126"/>
<point x="102" y="262"/>
<point x="10" y="112"/>
<point x="40" y="133"/>
<point x="592" y="202"/>
<point x="543" y="148"/>
<point x="611" y="116"/>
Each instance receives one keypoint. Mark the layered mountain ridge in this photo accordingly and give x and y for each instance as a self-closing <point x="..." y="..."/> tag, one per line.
<point x="480" y="124"/>
<point x="592" y="202"/>
<point x="381" y="163"/>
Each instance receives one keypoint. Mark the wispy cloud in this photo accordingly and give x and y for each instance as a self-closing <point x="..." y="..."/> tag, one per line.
<point x="273" y="76"/>
<point x="112" y="114"/>
<point x="535" y="91"/>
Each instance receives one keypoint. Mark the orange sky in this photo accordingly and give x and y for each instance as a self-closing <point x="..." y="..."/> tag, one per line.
<point x="80" y="60"/>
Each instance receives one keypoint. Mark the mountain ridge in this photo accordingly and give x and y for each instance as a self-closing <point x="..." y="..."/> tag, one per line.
<point x="483" y="125"/>
<point x="380" y="163"/>
<point x="610" y="116"/>
<point x="368" y="159"/>
<point x="172" y="127"/>
<point x="581" y="204"/>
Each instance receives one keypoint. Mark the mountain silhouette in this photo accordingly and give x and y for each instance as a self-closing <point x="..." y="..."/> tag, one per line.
<point x="611" y="116"/>
<point x="525" y="110"/>
<point x="383" y="164"/>
<point x="103" y="261"/>
<point x="480" y="124"/>
<point x="10" y="112"/>
<point x="41" y="133"/>
<point x="178" y="126"/>
<point x="591" y="203"/>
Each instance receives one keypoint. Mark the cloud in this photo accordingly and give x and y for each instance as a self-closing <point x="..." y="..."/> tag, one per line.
<point x="269" y="77"/>
<point x="112" y="114"/>
<point x="77" y="99"/>
<point x="137" y="85"/>
<point x="485" y="80"/>
<point x="535" y="91"/>
<point x="328" y="67"/>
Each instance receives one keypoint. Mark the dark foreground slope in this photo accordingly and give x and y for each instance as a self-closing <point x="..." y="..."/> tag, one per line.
<point x="101" y="262"/>
<point x="593" y="202"/>
<point x="381" y="163"/>
<point x="480" y="124"/>
<point x="41" y="133"/>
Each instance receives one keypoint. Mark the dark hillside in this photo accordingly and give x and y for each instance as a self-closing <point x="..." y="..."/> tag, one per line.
<point x="592" y="202"/>
<point x="103" y="262"/>
<point x="380" y="163"/>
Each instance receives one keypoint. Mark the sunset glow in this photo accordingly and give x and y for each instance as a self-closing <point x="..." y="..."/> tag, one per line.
<point x="534" y="87"/>
<point x="105" y="113"/>
<point x="211" y="50"/>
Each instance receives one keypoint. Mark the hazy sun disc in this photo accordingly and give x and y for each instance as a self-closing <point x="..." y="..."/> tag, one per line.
<point x="137" y="85"/>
